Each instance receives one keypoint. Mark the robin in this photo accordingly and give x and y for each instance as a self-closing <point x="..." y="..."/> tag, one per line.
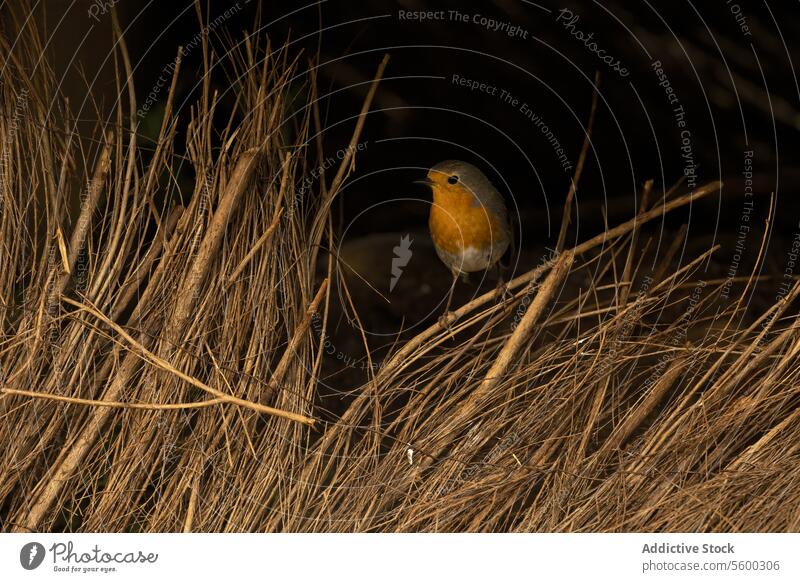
<point x="468" y="221"/>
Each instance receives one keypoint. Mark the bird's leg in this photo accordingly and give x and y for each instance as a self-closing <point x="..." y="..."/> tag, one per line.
<point x="505" y="295"/>
<point x="447" y="319"/>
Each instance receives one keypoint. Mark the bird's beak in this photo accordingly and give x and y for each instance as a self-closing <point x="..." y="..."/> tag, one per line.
<point x="424" y="182"/>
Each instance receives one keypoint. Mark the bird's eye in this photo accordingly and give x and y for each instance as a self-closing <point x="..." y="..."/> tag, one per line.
<point x="452" y="179"/>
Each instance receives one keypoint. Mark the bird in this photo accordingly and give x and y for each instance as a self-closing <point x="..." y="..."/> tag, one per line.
<point x="468" y="220"/>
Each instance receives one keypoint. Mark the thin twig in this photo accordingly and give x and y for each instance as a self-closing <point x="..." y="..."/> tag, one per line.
<point x="576" y="178"/>
<point x="145" y="354"/>
<point x="112" y="404"/>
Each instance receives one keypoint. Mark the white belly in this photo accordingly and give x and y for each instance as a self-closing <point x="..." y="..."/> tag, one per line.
<point x="472" y="259"/>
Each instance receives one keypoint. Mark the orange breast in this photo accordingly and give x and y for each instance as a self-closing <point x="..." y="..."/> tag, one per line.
<point x="457" y="224"/>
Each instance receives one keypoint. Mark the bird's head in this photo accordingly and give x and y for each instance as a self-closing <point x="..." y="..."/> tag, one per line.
<point x="455" y="181"/>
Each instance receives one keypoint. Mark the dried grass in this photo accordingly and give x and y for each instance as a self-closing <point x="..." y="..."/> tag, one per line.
<point x="159" y="372"/>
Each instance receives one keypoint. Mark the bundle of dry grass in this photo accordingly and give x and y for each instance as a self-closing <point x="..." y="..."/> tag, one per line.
<point x="159" y="371"/>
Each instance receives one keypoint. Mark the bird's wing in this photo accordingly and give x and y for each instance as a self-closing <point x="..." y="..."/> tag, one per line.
<point x="488" y="197"/>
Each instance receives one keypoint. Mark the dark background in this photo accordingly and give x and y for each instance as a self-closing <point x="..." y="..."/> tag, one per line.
<point x="739" y="91"/>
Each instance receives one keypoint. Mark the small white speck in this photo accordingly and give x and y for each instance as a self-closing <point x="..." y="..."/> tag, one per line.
<point x="410" y="455"/>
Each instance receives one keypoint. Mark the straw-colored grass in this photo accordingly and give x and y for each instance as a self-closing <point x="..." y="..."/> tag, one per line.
<point x="158" y="370"/>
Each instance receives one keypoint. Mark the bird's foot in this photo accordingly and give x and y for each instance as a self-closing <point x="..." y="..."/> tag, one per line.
<point x="504" y="293"/>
